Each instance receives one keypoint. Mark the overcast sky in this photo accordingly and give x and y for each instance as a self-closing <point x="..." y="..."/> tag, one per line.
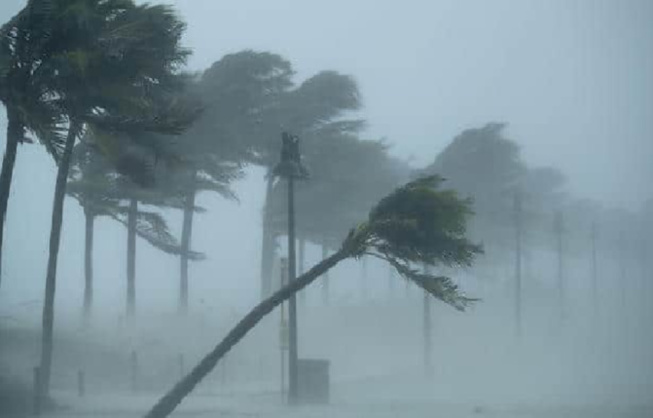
<point x="572" y="78"/>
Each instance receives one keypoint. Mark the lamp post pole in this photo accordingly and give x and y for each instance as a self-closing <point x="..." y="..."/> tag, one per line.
<point x="291" y="168"/>
<point x="292" y="303"/>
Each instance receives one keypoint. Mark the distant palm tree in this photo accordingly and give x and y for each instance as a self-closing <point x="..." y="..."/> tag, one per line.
<point x="417" y="223"/>
<point x="101" y="191"/>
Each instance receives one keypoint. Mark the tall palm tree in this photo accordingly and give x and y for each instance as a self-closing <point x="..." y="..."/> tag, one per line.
<point x="25" y="92"/>
<point x="104" y="60"/>
<point x="242" y="94"/>
<point x="417" y="223"/>
<point x="250" y="98"/>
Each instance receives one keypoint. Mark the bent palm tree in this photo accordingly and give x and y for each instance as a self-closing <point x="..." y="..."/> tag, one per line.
<point x="417" y="223"/>
<point x="25" y="92"/>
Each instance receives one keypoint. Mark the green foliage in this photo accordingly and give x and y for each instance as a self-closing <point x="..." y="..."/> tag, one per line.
<point x="347" y="177"/>
<point x="102" y="191"/>
<point x="90" y="60"/>
<point x="24" y="87"/>
<point x="419" y="223"/>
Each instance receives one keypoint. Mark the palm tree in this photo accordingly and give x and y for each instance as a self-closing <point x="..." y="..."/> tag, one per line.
<point x="25" y="92"/>
<point x="214" y="176"/>
<point x="242" y="93"/>
<point x="417" y="223"/>
<point x="101" y="191"/>
<point x="355" y="173"/>
<point x="104" y="61"/>
<point x="88" y="182"/>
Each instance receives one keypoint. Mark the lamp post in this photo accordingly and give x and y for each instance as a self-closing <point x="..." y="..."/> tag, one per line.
<point x="290" y="167"/>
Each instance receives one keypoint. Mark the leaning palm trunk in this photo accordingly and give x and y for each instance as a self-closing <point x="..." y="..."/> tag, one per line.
<point x="267" y="244"/>
<point x="51" y="278"/>
<point x="14" y="134"/>
<point x="131" y="257"/>
<point x="169" y="402"/>
<point x="88" y="264"/>
<point x="394" y="232"/>
<point x="186" y="233"/>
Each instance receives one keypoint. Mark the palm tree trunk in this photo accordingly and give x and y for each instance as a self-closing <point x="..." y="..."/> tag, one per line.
<point x="14" y="134"/>
<point x="88" y="264"/>
<point x="131" y="257"/>
<point x="267" y="244"/>
<point x="325" y="280"/>
<point x="169" y="402"/>
<point x="51" y="278"/>
<point x="186" y="233"/>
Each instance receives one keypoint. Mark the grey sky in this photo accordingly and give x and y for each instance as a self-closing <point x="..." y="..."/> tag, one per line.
<point x="573" y="79"/>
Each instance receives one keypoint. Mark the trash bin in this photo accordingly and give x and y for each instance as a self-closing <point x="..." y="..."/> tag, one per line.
<point x="313" y="381"/>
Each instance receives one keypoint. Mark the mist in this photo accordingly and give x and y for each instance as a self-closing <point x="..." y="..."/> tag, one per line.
<point x="538" y="113"/>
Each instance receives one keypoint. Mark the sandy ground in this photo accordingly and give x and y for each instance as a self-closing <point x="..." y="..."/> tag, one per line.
<point x="359" y="399"/>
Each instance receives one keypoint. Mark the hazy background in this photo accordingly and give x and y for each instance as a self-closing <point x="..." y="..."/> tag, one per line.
<point x="574" y="79"/>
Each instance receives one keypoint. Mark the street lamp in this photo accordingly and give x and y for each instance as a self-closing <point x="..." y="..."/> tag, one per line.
<point x="290" y="167"/>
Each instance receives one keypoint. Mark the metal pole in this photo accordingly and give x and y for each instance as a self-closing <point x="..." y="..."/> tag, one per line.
<point x="594" y="272"/>
<point x="518" y="267"/>
<point x="292" y="302"/>
<point x="561" y="285"/>
<point x="283" y="330"/>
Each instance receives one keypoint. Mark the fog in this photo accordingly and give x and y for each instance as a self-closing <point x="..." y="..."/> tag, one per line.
<point x="573" y="81"/>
